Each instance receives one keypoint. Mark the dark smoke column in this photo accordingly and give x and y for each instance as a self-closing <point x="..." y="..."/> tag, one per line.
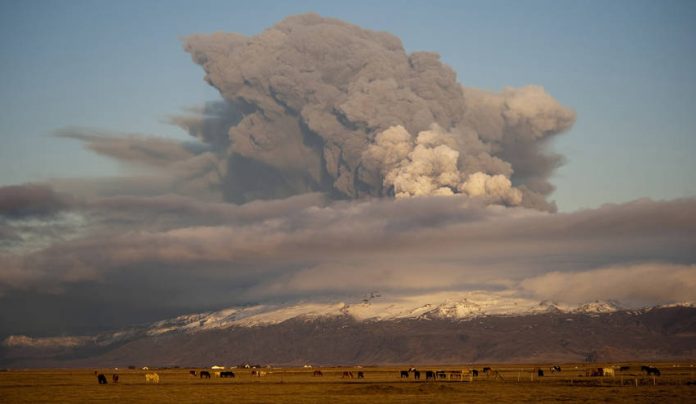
<point x="310" y="96"/>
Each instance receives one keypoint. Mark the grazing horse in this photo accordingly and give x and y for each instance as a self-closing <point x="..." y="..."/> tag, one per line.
<point x="416" y="374"/>
<point x="441" y="374"/>
<point x="555" y="368"/>
<point x="114" y="378"/>
<point x="317" y="373"/>
<point x="193" y="373"/>
<point x="404" y="374"/>
<point x="595" y="372"/>
<point x="101" y="378"/>
<point x="608" y="372"/>
<point x="347" y="374"/>
<point x="474" y="372"/>
<point x="227" y="374"/>
<point x="151" y="378"/>
<point x="486" y="371"/>
<point x="361" y="375"/>
<point x="204" y="374"/>
<point x="650" y="370"/>
<point x="429" y="375"/>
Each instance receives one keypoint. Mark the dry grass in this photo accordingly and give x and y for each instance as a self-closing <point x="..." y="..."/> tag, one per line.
<point x="382" y="384"/>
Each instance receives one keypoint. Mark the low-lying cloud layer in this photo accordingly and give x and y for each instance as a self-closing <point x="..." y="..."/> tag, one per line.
<point x="336" y="164"/>
<point x="179" y="253"/>
<point x="640" y="284"/>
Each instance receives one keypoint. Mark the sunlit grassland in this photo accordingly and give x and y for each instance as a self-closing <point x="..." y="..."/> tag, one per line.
<point x="517" y="383"/>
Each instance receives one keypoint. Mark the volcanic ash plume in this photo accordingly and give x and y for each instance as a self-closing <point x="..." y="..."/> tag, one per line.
<point x="316" y="104"/>
<point x="429" y="166"/>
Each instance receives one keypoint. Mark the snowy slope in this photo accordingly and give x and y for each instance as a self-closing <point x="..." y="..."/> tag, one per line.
<point x="372" y="308"/>
<point x="454" y="306"/>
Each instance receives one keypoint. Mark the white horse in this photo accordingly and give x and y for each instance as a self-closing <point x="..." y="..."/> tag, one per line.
<point x="151" y="378"/>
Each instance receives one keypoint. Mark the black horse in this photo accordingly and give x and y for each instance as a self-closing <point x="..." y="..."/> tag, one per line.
<point x="650" y="370"/>
<point x="101" y="378"/>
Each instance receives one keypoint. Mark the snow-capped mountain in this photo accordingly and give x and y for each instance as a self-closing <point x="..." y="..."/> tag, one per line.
<point x="460" y="306"/>
<point x="378" y="308"/>
<point x="596" y="307"/>
<point x="477" y="326"/>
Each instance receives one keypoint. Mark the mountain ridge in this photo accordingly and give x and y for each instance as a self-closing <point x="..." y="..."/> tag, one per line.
<point x="454" y="331"/>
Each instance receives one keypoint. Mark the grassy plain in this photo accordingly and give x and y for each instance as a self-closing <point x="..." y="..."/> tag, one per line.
<point x="380" y="385"/>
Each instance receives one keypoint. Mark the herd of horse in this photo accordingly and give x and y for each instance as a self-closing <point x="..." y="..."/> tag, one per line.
<point x="345" y="375"/>
<point x="430" y="375"/>
<point x="204" y="374"/>
<point x="447" y="375"/>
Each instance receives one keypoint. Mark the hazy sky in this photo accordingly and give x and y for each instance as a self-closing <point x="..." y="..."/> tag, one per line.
<point x="131" y="191"/>
<point x="626" y="68"/>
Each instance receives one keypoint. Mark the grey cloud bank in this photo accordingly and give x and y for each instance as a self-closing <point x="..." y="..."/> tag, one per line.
<point x="178" y="252"/>
<point x="30" y="200"/>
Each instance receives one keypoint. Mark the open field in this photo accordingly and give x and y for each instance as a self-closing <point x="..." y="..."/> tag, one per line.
<point x="516" y="383"/>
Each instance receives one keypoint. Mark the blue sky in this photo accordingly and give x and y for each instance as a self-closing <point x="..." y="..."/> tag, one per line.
<point x="626" y="67"/>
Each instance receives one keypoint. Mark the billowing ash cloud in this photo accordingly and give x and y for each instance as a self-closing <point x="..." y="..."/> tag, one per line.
<point x="310" y="102"/>
<point x="428" y="166"/>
